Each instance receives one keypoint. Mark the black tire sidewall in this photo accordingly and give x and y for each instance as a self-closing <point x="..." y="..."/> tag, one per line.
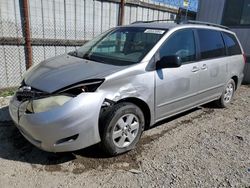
<point x="109" y="122"/>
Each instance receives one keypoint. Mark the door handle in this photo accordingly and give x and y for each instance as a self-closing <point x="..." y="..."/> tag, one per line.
<point x="195" y="69"/>
<point x="204" y="67"/>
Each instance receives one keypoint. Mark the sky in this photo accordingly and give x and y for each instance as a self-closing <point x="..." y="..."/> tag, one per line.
<point x="193" y="4"/>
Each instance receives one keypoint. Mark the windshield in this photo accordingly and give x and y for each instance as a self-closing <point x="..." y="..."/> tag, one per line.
<point x="121" y="46"/>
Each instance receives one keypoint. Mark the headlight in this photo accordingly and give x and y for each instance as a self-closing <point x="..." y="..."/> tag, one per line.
<point x="59" y="97"/>
<point x="45" y="104"/>
<point x="76" y="89"/>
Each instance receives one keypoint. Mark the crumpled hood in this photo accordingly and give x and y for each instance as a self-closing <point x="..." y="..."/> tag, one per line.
<point x="64" y="70"/>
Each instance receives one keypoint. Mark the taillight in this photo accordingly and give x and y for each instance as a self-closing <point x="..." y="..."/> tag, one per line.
<point x="245" y="58"/>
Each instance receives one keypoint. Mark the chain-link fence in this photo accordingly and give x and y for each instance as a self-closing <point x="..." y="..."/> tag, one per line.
<point x="12" y="56"/>
<point x="60" y="26"/>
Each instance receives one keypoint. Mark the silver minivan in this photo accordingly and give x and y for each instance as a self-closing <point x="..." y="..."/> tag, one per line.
<point x="125" y="80"/>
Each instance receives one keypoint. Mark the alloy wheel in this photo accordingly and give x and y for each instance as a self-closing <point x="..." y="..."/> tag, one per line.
<point x="228" y="93"/>
<point x="125" y="130"/>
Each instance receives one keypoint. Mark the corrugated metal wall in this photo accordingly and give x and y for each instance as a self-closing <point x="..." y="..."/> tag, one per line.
<point x="134" y="13"/>
<point x="210" y="11"/>
<point x="72" y="20"/>
<point x="62" y="20"/>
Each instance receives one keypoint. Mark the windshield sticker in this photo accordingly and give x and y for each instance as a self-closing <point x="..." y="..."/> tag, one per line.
<point x="154" y="31"/>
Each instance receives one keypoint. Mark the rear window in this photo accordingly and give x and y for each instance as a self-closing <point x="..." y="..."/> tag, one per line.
<point x="211" y="44"/>
<point x="233" y="47"/>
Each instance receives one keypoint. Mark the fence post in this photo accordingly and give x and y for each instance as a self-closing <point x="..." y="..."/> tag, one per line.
<point x="121" y="12"/>
<point x="26" y="32"/>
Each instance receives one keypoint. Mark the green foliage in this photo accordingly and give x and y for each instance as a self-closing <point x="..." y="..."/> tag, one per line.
<point x="7" y="92"/>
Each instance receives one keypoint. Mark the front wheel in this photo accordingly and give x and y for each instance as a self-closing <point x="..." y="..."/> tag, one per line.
<point x="121" y="128"/>
<point x="227" y="94"/>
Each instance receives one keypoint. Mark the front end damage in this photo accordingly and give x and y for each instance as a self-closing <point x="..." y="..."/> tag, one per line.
<point x="67" y="119"/>
<point x="58" y="122"/>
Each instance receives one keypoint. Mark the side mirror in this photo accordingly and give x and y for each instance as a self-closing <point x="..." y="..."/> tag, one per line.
<point x="171" y="61"/>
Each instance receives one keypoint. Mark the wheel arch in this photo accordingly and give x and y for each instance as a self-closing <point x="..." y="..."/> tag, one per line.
<point x="235" y="79"/>
<point x="142" y="105"/>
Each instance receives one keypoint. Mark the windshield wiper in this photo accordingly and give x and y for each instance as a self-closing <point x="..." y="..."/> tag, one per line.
<point x="73" y="53"/>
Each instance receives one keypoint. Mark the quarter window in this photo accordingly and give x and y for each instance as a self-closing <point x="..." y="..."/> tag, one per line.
<point x="211" y="44"/>
<point x="232" y="44"/>
<point x="181" y="44"/>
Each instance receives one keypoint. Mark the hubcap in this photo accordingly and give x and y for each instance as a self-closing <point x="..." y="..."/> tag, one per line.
<point x="229" y="93"/>
<point x="125" y="130"/>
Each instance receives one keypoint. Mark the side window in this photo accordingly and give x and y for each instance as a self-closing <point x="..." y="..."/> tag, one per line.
<point x="180" y="43"/>
<point x="233" y="47"/>
<point x="211" y="44"/>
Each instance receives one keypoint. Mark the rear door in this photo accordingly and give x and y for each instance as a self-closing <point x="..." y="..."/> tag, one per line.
<point x="176" y="88"/>
<point x="212" y="64"/>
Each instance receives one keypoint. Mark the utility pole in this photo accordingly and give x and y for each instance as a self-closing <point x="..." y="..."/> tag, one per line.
<point x="186" y="5"/>
<point x="26" y="29"/>
<point x="121" y="12"/>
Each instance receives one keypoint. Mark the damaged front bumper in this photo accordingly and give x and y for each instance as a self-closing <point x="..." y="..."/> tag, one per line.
<point x="69" y="127"/>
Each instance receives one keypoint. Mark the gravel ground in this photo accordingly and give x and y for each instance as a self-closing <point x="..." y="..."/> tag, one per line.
<point x="205" y="147"/>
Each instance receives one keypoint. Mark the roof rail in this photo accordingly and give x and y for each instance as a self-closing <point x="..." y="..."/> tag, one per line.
<point x="184" y="22"/>
<point x="206" y="23"/>
<point x="150" y="21"/>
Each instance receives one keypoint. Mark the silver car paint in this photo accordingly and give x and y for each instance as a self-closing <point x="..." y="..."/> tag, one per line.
<point x="166" y="92"/>
<point x="64" y="70"/>
<point x="46" y="128"/>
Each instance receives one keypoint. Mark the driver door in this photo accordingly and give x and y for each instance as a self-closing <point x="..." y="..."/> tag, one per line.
<point x="177" y="88"/>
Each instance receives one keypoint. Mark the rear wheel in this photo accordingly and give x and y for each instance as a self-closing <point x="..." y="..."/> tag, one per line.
<point x="121" y="128"/>
<point x="227" y="94"/>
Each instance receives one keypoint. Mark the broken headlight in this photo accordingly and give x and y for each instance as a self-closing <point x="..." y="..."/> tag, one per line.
<point x="61" y="96"/>
<point x="45" y="104"/>
<point x="78" y="88"/>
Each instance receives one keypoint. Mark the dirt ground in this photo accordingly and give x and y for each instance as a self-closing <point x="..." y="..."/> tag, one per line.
<point x="205" y="147"/>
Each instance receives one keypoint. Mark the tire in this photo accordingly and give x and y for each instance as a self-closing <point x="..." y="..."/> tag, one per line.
<point x="227" y="95"/>
<point x="121" y="128"/>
